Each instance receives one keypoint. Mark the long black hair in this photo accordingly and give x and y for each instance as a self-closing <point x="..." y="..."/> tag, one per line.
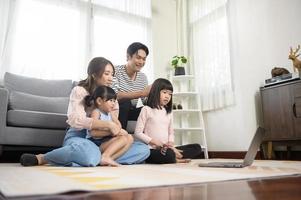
<point x="153" y="99"/>
<point x="104" y="92"/>
<point x="96" y="68"/>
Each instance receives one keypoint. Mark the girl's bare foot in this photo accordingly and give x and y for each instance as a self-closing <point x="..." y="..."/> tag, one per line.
<point x="107" y="161"/>
<point x="41" y="160"/>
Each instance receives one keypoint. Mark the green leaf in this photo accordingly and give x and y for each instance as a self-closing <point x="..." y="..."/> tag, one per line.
<point x="174" y="62"/>
<point x="183" y="59"/>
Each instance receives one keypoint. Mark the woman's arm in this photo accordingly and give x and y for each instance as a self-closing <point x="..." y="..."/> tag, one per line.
<point x="95" y="115"/>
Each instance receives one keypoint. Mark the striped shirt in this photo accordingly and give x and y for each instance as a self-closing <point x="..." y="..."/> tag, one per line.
<point x="123" y="83"/>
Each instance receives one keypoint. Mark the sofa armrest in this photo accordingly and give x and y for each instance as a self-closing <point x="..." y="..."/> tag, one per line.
<point x="3" y="109"/>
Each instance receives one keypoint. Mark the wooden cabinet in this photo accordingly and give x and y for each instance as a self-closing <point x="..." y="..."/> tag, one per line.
<point x="281" y="105"/>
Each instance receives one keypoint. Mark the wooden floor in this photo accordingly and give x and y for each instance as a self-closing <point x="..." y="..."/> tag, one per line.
<point x="285" y="188"/>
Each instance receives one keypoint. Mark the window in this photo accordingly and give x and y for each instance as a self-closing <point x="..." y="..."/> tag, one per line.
<point x="55" y="39"/>
<point x="118" y="30"/>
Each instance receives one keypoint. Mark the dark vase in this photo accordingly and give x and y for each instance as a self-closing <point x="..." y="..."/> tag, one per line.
<point x="179" y="71"/>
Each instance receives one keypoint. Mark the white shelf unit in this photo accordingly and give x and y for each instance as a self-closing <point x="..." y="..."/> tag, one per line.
<point x="188" y="121"/>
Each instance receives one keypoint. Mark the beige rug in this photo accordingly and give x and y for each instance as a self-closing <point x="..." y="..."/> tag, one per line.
<point x="16" y="180"/>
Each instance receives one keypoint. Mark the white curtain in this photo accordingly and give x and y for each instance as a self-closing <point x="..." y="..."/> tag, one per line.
<point x="209" y="45"/>
<point x="120" y="23"/>
<point x="7" y="13"/>
<point x="182" y="30"/>
<point x="55" y="39"/>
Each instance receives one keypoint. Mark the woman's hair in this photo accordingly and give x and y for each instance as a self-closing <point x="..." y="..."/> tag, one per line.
<point x="96" y="68"/>
<point x="153" y="99"/>
<point x="104" y="92"/>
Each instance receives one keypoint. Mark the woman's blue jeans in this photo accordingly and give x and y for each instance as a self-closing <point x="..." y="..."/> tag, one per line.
<point x="79" y="151"/>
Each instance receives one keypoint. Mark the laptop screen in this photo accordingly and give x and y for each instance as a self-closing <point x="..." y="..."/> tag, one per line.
<point x="255" y="144"/>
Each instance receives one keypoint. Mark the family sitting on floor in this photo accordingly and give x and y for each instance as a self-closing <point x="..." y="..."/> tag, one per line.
<point x="97" y="133"/>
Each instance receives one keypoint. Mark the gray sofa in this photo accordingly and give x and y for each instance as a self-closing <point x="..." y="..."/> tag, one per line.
<point x="33" y="112"/>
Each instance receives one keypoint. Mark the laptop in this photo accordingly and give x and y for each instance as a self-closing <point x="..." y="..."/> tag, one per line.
<point x="249" y="158"/>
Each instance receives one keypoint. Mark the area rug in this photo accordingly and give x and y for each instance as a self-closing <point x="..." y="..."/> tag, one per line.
<point x="16" y="180"/>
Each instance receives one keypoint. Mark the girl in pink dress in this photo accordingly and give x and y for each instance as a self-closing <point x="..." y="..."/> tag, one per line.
<point x="155" y="125"/>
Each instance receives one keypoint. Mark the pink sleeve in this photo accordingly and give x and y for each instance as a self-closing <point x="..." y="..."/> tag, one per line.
<point x="141" y="121"/>
<point x="171" y="134"/>
<point x="77" y="116"/>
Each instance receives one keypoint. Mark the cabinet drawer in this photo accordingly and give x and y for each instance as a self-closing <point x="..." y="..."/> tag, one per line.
<point x="297" y="107"/>
<point x="297" y="90"/>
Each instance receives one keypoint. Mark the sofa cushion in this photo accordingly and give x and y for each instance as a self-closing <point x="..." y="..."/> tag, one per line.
<point x="24" y="101"/>
<point x="33" y="119"/>
<point x="35" y="86"/>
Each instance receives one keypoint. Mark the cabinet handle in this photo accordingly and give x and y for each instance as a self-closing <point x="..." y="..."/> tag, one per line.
<point x="294" y="109"/>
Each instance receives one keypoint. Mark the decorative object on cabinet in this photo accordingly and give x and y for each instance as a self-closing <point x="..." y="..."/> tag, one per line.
<point x="281" y="79"/>
<point x="278" y="71"/>
<point x="293" y="57"/>
<point x="178" y="62"/>
<point x="188" y="117"/>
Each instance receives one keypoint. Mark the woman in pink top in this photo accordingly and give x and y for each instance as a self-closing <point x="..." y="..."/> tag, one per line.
<point x="155" y="127"/>
<point x="77" y="150"/>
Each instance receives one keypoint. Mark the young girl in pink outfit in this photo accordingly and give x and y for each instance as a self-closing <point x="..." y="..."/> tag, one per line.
<point x="155" y="125"/>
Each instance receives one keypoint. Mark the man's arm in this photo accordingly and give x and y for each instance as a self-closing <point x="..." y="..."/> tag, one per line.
<point x="135" y="94"/>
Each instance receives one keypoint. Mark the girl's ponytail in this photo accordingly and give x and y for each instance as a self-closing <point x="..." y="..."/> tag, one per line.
<point x="88" y="100"/>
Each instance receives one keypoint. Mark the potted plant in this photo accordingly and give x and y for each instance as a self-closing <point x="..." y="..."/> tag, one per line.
<point x="178" y="63"/>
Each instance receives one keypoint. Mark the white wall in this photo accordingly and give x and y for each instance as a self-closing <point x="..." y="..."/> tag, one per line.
<point x="164" y="35"/>
<point x="261" y="32"/>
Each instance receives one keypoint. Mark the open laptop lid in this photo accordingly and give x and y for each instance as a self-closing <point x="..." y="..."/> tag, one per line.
<point x="255" y="144"/>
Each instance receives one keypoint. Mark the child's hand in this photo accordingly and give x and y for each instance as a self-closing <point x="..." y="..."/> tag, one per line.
<point x="114" y="128"/>
<point x="170" y="144"/>
<point x="177" y="152"/>
<point x="156" y="143"/>
<point x="123" y="132"/>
